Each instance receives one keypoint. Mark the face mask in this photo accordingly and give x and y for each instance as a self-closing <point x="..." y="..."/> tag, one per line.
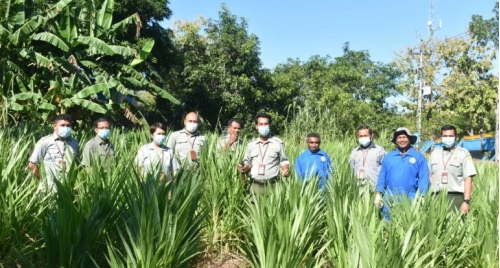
<point x="104" y="133"/>
<point x="191" y="127"/>
<point x="159" y="139"/>
<point x="448" y="141"/>
<point x="264" y="131"/>
<point x="64" y="132"/>
<point x="364" y="141"/>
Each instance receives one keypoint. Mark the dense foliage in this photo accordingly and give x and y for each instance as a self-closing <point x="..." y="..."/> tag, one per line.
<point x="115" y="219"/>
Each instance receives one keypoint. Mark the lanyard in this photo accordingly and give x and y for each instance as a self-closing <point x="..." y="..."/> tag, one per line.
<point x="445" y="164"/>
<point x="189" y="140"/>
<point x="365" y="154"/>
<point x="59" y="149"/>
<point x="265" y="151"/>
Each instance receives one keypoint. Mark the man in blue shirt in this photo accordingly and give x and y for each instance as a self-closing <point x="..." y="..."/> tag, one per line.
<point x="313" y="163"/>
<point x="404" y="170"/>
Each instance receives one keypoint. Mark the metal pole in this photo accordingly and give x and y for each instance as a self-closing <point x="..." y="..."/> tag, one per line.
<point x="419" y="103"/>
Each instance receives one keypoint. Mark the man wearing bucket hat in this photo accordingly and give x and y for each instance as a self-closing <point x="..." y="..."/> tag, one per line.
<point x="404" y="170"/>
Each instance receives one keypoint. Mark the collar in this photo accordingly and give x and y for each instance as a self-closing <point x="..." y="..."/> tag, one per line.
<point x="319" y="152"/>
<point x="268" y="140"/>
<point x="197" y="133"/>
<point x="101" y="140"/>
<point x="152" y="147"/>
<point x="372" y="145"/>
<point x="57" y="138"/>
<point x="410" y="151"/>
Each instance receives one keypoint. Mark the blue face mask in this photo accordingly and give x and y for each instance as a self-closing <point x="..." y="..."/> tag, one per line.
<point x="64" y="132"/>
<point x="264" y="131"/>
<point x="104" y="133"/>
<point x="159" y="139"/>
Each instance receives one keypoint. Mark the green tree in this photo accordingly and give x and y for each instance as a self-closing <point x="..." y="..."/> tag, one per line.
<point x="66" y="60"/>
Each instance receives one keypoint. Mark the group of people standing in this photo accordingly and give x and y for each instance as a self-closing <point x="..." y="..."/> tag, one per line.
<point x="402" y="171"/>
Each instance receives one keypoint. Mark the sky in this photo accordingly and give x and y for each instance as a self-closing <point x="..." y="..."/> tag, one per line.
<point x="301" y="29"/>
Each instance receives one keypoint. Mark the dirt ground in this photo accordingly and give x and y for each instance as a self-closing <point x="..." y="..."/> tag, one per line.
<point x="228" y="261"/>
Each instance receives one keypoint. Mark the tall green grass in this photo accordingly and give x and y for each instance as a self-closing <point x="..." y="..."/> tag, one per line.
<point x="115" y="218"/>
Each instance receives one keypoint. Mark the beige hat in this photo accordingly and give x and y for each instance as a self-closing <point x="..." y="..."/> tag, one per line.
<point x="407" y="132"/>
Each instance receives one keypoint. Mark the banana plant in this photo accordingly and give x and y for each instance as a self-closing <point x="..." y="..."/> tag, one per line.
<point x="72" y="58"/>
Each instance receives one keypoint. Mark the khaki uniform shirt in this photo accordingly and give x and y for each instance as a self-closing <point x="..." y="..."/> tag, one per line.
<point x="224" y="140"/>
<point x="370" y="160"/>
<point x="459" y="166"/>
<point x="271" y="153"/>
<point x="182" y="144"/>
<point x="151" y="161"/>
<point x="56" y="155"/>
<point x="97" y="147"/>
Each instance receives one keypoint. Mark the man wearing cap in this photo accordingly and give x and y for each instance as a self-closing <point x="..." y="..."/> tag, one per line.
<point x="187" y="143"/>
<point x="313" y="162"/>
<point x="264" y="157"/>
<point x="231" y="141"/>
<point x="366" y="159"/>
<point x="404" y="170"/>
<point x="452" y="170"/>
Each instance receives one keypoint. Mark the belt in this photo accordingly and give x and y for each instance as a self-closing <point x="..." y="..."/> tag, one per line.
<point x="266" y="182"/>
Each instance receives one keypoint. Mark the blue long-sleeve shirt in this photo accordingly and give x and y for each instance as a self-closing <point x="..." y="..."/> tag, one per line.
<point x="403" y="174"/>
<point x="310" y="164"/>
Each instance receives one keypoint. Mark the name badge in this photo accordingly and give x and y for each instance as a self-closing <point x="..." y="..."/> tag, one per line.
<point x="444" y="177"/>
<point x="361" y="173"/>
<point x="193" y="155"/>
<point x="262" y="169"/>
<point x="62" y="164"/>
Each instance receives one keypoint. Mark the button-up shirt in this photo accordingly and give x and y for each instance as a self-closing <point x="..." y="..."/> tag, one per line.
<point x="459" y="166"/>
<point x="370" y="159"/>
<point x="97" y="148"/>
<point x="271" y="153"/>
<point x="152" y="161"/>
<point x="309" y="165"/>
<point x="223" y="141"/>
<point x="182" y="143"/>
<point x="403" y="173"/>
<point x="55" y="153"/>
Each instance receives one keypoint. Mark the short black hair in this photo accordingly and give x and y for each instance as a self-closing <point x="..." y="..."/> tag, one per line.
<point x="365" y="127"/>
<point x="101" y="119"/>
<point x="234" y="120"/>
<point x="263" y="116"/>
<point x="313" y="135"/>
<point x="449" y="127"/>
<point x="155" y="126"/>
<point x="65" y="117"/>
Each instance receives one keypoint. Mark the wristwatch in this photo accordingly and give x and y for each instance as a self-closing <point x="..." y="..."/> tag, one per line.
<point x="467" y="201"/>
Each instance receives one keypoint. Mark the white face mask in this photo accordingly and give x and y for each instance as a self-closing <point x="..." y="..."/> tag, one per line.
<point x="159" y="139"/>
<point x="364" y="141"/>
<point x="104" y="133"/>
<point x="191" y="127"/>
<point x="264" y="131"/>
<point x="64" y="132"/>
<point x="448" y="142"/>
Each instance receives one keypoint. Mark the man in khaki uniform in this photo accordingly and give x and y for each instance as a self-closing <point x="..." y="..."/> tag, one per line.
<point x="265" y="157"/>
<point x="366" y="159"/>
<point x="56" y="151"/>
<point x="187" y="143"/>
<point x="99" y="147"/>
<point x="231" y="141"/>
<point x="451" y="170"/>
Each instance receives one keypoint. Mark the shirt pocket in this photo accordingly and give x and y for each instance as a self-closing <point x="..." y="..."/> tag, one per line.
<point x="455" y="167"/>
<point x="434" y="167"/>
